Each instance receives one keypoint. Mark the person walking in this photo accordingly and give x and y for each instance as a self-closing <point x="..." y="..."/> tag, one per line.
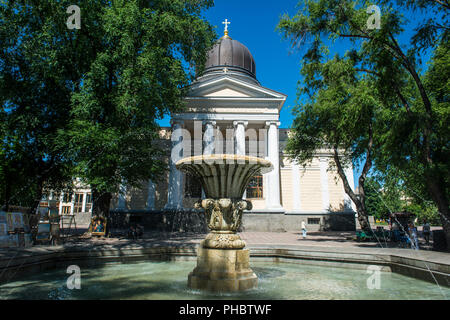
<point x="304" y="229"/>
<point x="426" y="231"/>
<point x="413" y="234"/>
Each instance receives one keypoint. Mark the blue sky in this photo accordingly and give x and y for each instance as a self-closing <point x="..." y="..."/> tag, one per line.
<point x="253" y="23"/>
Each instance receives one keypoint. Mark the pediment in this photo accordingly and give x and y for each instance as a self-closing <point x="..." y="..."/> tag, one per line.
<point x="227" y="87"/>
<point x="226" y="92"/>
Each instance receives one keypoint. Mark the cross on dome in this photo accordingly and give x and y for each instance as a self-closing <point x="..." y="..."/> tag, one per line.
<point x="226" y="23"/>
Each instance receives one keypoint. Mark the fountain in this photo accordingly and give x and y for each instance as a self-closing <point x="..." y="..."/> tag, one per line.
<point x="222" y="262"/>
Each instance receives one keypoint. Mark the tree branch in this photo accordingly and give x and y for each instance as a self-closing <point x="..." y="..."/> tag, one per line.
<point x="368" y="71"/>
<point x="354" y="36"/>
<point x="442" y="3"/>
<point x="343" y="177"/>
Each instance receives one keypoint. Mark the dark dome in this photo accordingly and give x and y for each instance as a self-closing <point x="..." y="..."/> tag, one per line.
<point x="231" y="54"/>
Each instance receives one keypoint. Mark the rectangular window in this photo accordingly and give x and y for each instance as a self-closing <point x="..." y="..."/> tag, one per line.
<point x="88" y="202"/>
<point x="313" y="220"/>
<point x="65" y="210"/>
<point x="78" y="204"/>
<point x="255" y="188"/>
<point x="67" y="197"/>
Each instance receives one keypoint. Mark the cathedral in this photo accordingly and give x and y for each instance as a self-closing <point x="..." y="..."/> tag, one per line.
<point x="229" y="111"/>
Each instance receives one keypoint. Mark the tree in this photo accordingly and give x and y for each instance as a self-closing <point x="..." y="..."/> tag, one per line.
<point x="417" y="125"/>
<point x="41" y="65"/>
<point x="340" y="117"/>
<point x="144" y="61"/>
<point x="374" y="201"/>
<point x="386" y="193"/>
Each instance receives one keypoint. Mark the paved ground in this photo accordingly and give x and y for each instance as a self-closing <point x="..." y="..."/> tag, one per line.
<point x="329" y="239"/>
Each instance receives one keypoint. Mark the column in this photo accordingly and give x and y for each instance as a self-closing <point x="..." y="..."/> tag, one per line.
<point x="61" y="199"/>
<point x="239" y="141"/>
<point x="72" y="203"/>
<point x="208" y="137"/>
<point x="239" y="136"/>
<point x="151" y="197"/>
<point x="348" y="203"/>
<point x="83" y="208"/>
<point x="122" y="203"/>
<point x="296" y="205"/>
<point x="324" y="183"/>
<point x="175" y="189"/>
<point x="273" y="177"/>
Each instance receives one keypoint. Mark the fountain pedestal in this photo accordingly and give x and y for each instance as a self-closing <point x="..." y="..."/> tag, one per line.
<point x="222" y="270"/>
<point x="222" y="262"/>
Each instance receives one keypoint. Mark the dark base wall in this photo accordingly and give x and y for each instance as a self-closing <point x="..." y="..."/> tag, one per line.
<point x="269" y="222"/>
<point x="164" y="221"/>
<point x="194" y="221"/>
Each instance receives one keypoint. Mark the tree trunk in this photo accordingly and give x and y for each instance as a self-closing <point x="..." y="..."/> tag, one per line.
<point x="363" y="218"/>
<point x="441" y="201"/>
<point x="359" y="202"/>
<point x="7" y="196"/>
<point x="38" y="197"/>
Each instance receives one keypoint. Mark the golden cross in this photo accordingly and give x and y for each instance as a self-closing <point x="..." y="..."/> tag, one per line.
<point x="226" y="23"/>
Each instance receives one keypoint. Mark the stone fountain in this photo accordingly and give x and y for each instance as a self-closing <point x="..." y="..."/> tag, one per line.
<point x="222" y="262"/>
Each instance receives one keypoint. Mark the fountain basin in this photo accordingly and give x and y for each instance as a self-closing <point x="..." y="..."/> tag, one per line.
<point x="283" y="279"/>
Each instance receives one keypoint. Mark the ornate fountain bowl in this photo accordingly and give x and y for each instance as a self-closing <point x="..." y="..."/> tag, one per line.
<point x="224" y="175"/>
<point x="222" y="262"/>
<point x="224" y="178"/>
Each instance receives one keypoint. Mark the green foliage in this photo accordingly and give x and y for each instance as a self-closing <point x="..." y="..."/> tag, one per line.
<point x="41" y="63"/>
<point x="385" y="194"/>
<point x="424" y="213"/>
<point x="85" y="102"/>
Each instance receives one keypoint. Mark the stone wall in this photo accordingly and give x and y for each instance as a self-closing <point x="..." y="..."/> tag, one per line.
<point x="81" y="219"/>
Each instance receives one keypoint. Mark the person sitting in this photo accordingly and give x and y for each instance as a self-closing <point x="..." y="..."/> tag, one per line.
<point x="139" y="231"/>
<point x="132" y="233"/>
